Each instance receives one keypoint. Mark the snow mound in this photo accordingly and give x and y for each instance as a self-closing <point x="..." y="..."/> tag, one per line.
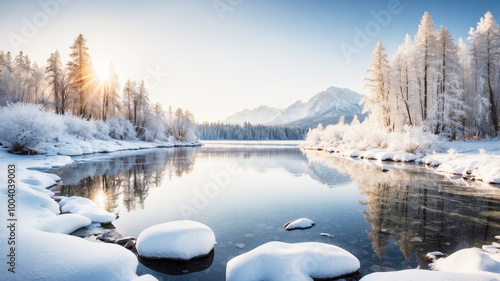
<point x="302" y="223"/>
<point x="65" y="223"/>
<point x="182" y="240"/>
<point x="53" y="256"/>
<point x="428" y="275"/>
<point x="86" y="208"/>
<point x="471" y="260"/>
<point x="275" y="261"/>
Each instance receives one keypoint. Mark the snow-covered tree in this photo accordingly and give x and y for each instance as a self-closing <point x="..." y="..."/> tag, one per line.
<point x="110" y="96"/>
<point x="378" y="101"/>
<point x="448" y="108"/>
<point x="485" y="53"/>
<point x="425" y="58"/>
<point x="80" y="73"/>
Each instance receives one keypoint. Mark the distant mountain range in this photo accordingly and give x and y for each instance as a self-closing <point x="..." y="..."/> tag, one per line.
<point x="326" y="107"/>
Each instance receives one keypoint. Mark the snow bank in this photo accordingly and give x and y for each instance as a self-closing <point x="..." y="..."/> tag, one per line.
<point x="428" y="275"/>
<point x="65" y="223"/>
<point x="183" y="240"/>
<point x="471" y="260"/>
<point x="51" y="256"/>
<point x="302" y="223"/>
<point x="42" y="254"/>
<point x="275" y="261"/>
<point x="87" y="208"/>
<point x="466" y="264"/>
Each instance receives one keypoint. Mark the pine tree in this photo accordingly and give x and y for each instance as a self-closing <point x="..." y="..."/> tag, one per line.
<point x="485" y="53"/>
<point x="110" y="96"/>
<point x="80" y="73"/>
<point x="425" y="46"/>
<point x="378" y="84"/>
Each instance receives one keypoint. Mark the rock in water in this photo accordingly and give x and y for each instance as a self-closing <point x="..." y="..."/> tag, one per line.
<point x="276" y="261"/>
<point x="181" y="240"/>
<point x="302" y="223"/>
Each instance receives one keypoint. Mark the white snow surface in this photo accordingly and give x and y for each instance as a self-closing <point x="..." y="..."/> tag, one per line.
<point x="466" y="264"/>
<point x="43" y="250"/>
<point x="65" y="223"/>
<point x="87" y="208"/>
<point x="183" y="240"/>
<point x="428" y="275"/>
<point x="300" y="224"/>
<point x="275" y="261"/>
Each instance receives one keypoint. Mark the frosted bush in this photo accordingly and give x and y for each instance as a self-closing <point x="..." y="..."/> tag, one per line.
<point x="364" y="136"/>
<point x="121" y="129"/>
<point x="24" y="126"/>
<point x="416" y="140"/>
<point x="101" y="130"/>
<point x="79" y="127"/>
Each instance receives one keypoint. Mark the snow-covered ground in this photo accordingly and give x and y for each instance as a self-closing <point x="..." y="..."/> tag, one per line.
<point x="41" y="248"/>
<point x="478" y="160"/>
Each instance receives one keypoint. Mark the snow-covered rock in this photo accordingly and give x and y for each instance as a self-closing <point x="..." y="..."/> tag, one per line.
<point x="302" y="223"/>
<point x="469" y="261"/>
<point x="275" y="261"/>
<point x="65" y="223"/>
<point x="86" y="208"/>
<point x="183" y="240"/>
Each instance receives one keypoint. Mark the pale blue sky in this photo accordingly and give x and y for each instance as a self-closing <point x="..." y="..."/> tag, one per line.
<point x="259" y="52"/>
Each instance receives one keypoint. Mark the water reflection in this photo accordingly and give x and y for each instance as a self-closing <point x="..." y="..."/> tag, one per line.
<point x="127" y="178"/>
<point x="389" y="220"/>
<point x="422" y="211"/>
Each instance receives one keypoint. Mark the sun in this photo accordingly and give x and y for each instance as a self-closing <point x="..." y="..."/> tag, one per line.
<point x="101" y="72"/>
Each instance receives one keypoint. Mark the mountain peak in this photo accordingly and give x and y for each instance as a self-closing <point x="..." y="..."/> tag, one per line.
<point x="325" y="107"/>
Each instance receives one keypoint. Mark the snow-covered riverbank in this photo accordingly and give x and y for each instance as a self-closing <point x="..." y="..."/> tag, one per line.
<point x="477" y="160"/>
<point x="40" y="247"/>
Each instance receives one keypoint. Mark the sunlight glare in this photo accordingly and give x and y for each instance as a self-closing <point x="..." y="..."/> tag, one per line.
<point x="102" y="72"/>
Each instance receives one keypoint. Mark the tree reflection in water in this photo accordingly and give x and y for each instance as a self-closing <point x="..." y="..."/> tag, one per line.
<point x="124" y="177"/>
<point x="421" y="210"/>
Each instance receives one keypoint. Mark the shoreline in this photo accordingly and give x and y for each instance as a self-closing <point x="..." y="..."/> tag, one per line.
<point x="471" y="160"/>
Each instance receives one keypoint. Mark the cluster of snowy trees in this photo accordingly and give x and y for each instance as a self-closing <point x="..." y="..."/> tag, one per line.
<point x="247" y="131"/>
<point x="450" y="89"/>
<point x="77" y="90"/>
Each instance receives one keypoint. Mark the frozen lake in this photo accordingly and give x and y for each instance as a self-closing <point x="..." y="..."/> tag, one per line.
<point x="246" y="191"/>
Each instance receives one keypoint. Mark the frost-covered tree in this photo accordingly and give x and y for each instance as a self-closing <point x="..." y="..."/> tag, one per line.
<point x="110" y="96"/>
<point x="80" y="73"/>
<point x="55" y="76"/>
<point x="378" y="101"/>
<point x="425" y="58"/>
<point x="128" y="94"/>
<point x="404" y="89"/>
<point x="448" y="108"/>
<point x="485" y="53"/>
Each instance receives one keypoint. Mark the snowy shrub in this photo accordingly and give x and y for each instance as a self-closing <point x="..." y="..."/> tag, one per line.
<point x="121" y="129"/>
<point x="416" y="140"/>
<point x="365" y="136"/>
<point x="101" y="130"/>
<point x="79" y="127"/>
<point x="24" y="126"/>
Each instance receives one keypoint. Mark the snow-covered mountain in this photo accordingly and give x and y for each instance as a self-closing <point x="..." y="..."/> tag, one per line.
<point x="259" y="115"/>
<point x="326" y="107"/>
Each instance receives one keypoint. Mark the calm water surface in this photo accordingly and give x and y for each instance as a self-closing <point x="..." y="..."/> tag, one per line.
<point x="246" y="191"/>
